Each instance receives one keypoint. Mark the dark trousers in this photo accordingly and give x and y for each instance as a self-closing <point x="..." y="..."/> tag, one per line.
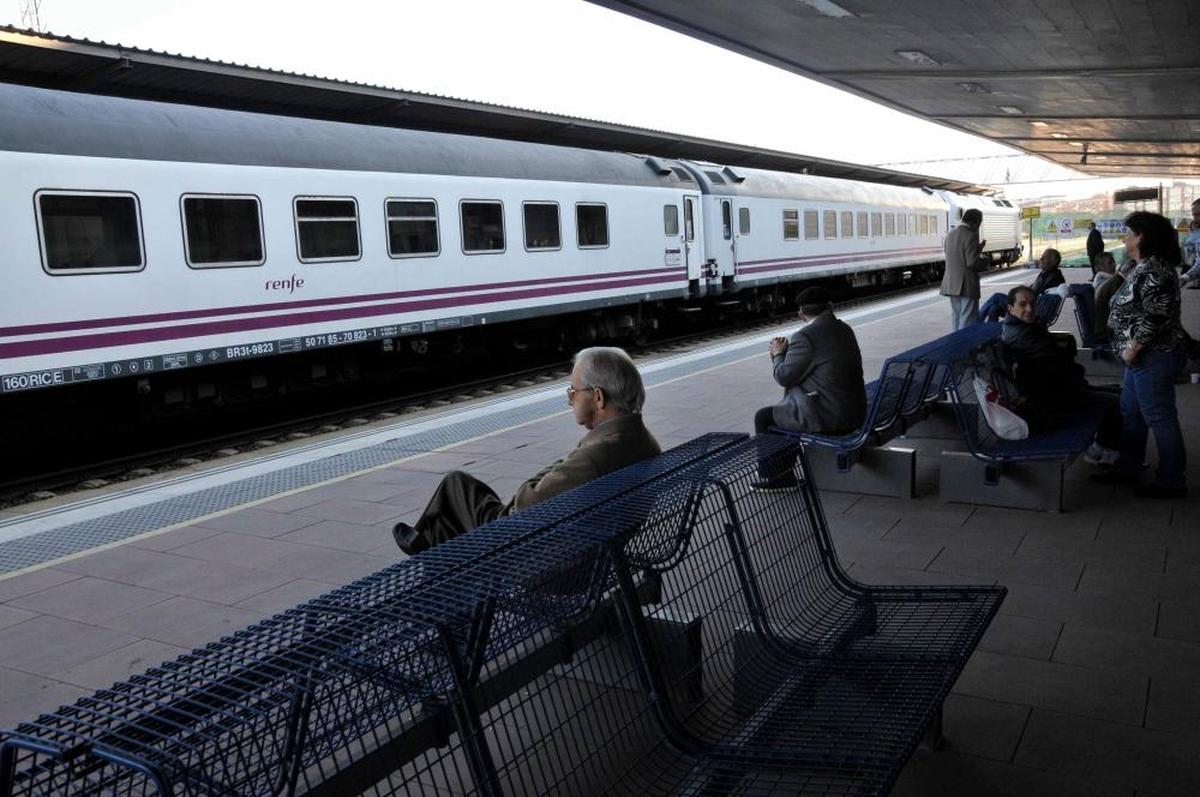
<point x="460" y="503"/>
<point x="995" y="308"/>
<point x="764" y="419"/>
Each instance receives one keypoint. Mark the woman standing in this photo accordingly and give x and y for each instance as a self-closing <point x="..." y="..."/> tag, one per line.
<point x="1144" y="325"/>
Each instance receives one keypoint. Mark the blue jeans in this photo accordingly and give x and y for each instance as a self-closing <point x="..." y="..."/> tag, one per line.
<point x="995" y="308"/>
<point x="1148" y="404"/>
<point x="963" y="312"/>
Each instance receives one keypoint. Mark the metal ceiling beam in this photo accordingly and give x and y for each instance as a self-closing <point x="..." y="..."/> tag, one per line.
<point x="1013" y="74"/>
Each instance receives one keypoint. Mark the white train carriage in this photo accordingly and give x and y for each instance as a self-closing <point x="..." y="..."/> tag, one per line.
<point x="767" y="227"/>
<point x="142" y="237"/>
<point x="1001" y="227"/>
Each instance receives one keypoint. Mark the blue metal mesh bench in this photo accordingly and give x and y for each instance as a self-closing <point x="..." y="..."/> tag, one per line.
<point x="663" y="634"/>
<point x="908" y="385"/>
<point x="290" y="702"/>
<point x="1025" y="473"/>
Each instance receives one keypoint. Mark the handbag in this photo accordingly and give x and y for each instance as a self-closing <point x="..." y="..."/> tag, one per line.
<point x="1000" y="418"/>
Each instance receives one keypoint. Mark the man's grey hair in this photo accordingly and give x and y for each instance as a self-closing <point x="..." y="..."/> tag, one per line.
<point x="611" y="370"/>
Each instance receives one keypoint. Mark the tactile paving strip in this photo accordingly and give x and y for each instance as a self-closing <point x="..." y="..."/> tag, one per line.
<point x="83" y="536"/>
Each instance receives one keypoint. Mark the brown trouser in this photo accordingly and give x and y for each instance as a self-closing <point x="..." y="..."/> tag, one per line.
<point x="460" y="503"/>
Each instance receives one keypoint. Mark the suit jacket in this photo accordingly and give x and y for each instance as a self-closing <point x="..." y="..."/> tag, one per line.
<point x="1095" y="243"/>
<point x="1046" y="371"/>
<point x="963" y="262"/>
<point x="1047" y="280"/>
<point x="610" y="446"/>
<point x="822" y="377"/>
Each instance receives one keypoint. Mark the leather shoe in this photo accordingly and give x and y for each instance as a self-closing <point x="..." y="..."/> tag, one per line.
<point x="1115" y="477"/>
<point x="411" y="541"/>
<point x="1159" y="491"/>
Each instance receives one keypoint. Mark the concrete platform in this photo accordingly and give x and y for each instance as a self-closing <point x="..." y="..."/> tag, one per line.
<point x="1087" y="683"/>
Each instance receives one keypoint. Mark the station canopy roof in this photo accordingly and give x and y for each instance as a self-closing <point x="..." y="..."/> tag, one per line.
<point x="59" y="62"/>
<point x="1118" y="82"/>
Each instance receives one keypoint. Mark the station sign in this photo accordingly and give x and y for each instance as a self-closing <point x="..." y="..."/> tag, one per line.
<point x="1031" y="212"/>
<point x="1066" y="226"/>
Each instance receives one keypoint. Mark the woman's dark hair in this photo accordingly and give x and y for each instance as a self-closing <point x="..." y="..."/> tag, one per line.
<point x="1158" y="236"/>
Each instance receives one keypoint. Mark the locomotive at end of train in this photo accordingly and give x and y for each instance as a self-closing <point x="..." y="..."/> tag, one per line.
<point x="147" y="240"/>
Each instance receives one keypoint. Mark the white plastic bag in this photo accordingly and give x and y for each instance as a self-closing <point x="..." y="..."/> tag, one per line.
<point x="1000" y="419"/>
<point x="1063" y="290"/>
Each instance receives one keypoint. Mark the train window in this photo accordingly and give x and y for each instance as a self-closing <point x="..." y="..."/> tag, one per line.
<point x="830" y="219"/>
<point x="222" y="231"/>
<point x="924" y="228"/>
<point x="670" y="220"/>
<point x="912" y="223"/>
<point x="889" y="223"/>
<point x="689" y="220"/>
<point x="847" y="224"/>
<point x="727" y="219"/>
<point x="933" y="225"/>
<point x="811" y="225"/>
<point x="876" y="225"/>
<point x="412" y="227"/>
<point x="89" y="232"/>
<point x="327" y="229"/>
<point x="791" y="225"/>
<point x="682" y="174"/>
<point x="591" y="225"/>
<point x="744" y="221"/>
<point x="542" y="232"/>
<point x="862" y="224"/>
<point x="716" y="178"/>
<point x="482" y="226"/>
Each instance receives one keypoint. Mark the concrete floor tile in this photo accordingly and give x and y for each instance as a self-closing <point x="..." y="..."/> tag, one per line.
<point x="33" y="581"/>
<point x="996" y="541"/>
<point x="1101" y="694"/>
<point x="913" y="556"/>
<point x="298" y="500"/>
<point x="256" y="521"/>
<point x="48" y="696"/>
<point x="1073" y="525"/>
<point x="11" y="615"/>
<point x="983" y="727"/>
<point x="1021" y="636"/>
<point x="352" y="537"/>
<point x="898" y="508"/>
<point x="1172" y="587"/>
<point x="1139" y="654"/>
<point x="949" y="774"/>
<point x="238" y="549"/>
<point x="1174" y="705"/>
<point x="49" y="644"/>
<point x="1093" y="609"/>
<point x="286" y="596"/>
<point x="328" y="565"/>
<point x="1179" y="621"/>
<point x="104" y="671"/>
<point x="365" y="512"/>
<point x="90" y="600"/>
<point x="1109" y="753"/>
<point x="174" y="538"/>
<point x="185" y="622"/>
<point x="878" y="572"/>
<point x="1006" y="570"/>
<point x="1127" y="556"/>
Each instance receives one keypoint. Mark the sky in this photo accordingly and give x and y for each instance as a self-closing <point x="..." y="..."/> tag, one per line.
<point x="561" y="56"/>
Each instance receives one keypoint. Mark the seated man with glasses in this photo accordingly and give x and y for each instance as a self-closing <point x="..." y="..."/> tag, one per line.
<point x="606" y="394"/>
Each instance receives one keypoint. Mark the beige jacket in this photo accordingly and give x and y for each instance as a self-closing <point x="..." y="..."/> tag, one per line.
<point x="963" y="262"/>
<point x="610" y="446"/>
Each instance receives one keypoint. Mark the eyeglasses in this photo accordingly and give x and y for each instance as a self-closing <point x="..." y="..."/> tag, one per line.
<point x="572" y="390"/>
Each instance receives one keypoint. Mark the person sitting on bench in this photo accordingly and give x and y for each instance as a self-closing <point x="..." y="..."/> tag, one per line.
<point x="820" y="370"/>
<point x="1050" y="276"/>
<point x="606" y="394"/>
<point x="1050" y="381"/>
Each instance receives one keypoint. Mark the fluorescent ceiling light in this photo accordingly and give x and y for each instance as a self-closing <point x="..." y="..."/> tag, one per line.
<point x="1058" y="135"/>
<point x="973" y="88"/>
<point x="1010" y="109"/>
<point x="1039" y="124"/>
<point x="826" y="7"/>
<point x="918" y="57"/>
<point x="1075" y="143"/>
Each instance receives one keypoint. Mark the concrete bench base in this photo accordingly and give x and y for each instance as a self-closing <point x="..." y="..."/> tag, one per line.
<point x="1023" y="485"/>
<point x="888" y="471"/>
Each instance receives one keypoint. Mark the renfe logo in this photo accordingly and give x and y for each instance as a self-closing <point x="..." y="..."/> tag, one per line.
<point x="289" y="285"/>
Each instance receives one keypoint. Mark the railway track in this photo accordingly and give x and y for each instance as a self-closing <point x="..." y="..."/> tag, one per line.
<point x="153" y="460"/>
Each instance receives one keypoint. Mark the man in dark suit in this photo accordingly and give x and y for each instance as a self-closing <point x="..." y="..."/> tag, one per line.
<point x="820" y="370"/>
<point x="1095" y="245"/>
<point x="606" y="395"/>
<point x="964" y="261"/>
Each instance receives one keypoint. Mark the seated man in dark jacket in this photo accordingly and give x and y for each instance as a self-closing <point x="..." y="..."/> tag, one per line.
<point x="1051" y="275"/>
<point x="606" y="394"/>
<point x="820" y="370"/>
<point x="1047" y="376"/>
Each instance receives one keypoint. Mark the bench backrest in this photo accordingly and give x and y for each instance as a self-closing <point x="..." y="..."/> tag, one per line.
<point x="1085" y="312"/>
<point x="1047" y="307"/>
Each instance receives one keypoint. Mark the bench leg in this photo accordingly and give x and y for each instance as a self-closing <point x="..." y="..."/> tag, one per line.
<point x="933" y="738"/>
<point x="887" y="471"/>
<point x="1022" y="485"/>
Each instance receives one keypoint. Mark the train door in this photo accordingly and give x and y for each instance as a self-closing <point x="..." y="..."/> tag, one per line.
<point x="693" y="236"/>
<point x="724" y="242"/>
